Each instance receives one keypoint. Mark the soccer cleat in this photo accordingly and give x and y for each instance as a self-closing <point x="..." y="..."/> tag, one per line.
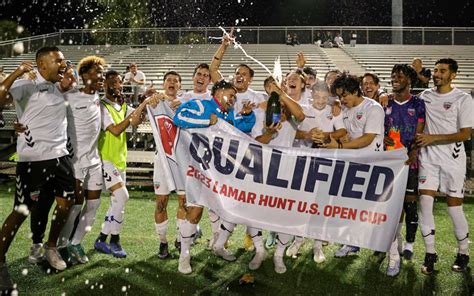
<point x="66" y="256"/>
<point x="224" y="254"/>
<point x="117" y="250"/>
<point x="163" y="251"/>
<point x="36" y="253"/>
<point x="346" y="250"/>
<point x="77" y="252"/>
<point x="460" y="265"/>
<point x="428" y="265"/>
<point x="54" y="259"/>
<point x="318" y="255"/>
<point x="177" y="245"/>
<point x="6" y="282"/>
<point x="280" y="266"/>
<point x="270" y="240"/>
<point x="294" y="248"/>
<point x="184" y="264"/>
<point x="102" y="247"/>
<point x="248" y="243"/>
<point x="257" y="260"/>
<point x="393" y="268"/>
<point x="407" y="254"/>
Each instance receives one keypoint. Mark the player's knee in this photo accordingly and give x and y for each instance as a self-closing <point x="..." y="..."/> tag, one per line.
<point x="121" y="195"/>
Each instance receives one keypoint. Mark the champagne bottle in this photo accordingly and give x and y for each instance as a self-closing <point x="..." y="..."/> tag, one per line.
<point x="273" y="113"/>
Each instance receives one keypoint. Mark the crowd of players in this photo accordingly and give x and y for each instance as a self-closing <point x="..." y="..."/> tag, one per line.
<point x="72" y="145"/>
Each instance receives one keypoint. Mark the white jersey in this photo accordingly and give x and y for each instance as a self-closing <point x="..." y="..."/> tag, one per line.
<point x="191" y="95"/>
<point x="84" y="124"/>
<point x="285" y="136"/>
<point x="322" y="119"/>
<point x="366" y="118"/>
<point x="251" y="95"/>
<point x="446" y="114"/>
<point x="40" y="107"/>
<point x="105" y="114"/>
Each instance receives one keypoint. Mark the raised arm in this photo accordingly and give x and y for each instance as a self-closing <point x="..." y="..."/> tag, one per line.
<point x="5" y="86"/>
<point x="216" y="60"/>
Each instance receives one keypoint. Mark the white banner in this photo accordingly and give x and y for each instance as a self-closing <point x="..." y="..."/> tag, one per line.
<point x="345" y="196"/>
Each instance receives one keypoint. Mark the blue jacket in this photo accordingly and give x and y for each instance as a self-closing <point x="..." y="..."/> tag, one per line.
<point x="197" y="113"/>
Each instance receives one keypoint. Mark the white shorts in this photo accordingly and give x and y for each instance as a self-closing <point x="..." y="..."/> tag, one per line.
<point x="112" y="175"/>
<point x="446" y="179"/>
<point x="91" y="177"/>
<point x="161" y="187"/>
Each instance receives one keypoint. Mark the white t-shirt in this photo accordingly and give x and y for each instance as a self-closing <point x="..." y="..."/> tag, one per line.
<point x="322" y="119"/>
<point x="105" y="114"/>
<point x="366" y="118"/>
<point x="250" y="95"/>
<point x="41" y="108"/>
<point x="139" y="76"/>
<point x="191" y="95"/>
<point x="285" y="136"/>
<point x="84" y="124"/>
<point x="446" y="114"/>
<point x="339" y="40"/>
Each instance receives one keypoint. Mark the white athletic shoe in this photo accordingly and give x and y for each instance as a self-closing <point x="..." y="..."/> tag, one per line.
<point x="280" y="266"/>
<point x="184" y="265"/>
<point x="257" y="260"/>
<point x="212" y="241"/>
<point x="36" y="253"/>
<point x="393" y="268"/>
<point x="224" y="254"/>
<point x="318" y="256"/>
<point x="54" y="259"/>
<point x="294" y="248"/>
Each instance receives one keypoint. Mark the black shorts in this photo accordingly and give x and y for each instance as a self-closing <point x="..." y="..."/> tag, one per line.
<point x="412" y="183"/>
<point x="54" y="175"/>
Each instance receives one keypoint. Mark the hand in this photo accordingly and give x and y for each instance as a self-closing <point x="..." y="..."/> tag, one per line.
<point x="175" y="104"/>
<point x="272" y="128"/>
<point x="68" y="81"/>
<point x="300" y="60"/>
<point x="25" y="67"/>
<point x="425" y="139"/>
<point x="227" y="39"/>
<point x="19" y="128"/>
<point x="154" y="100"/>
<point x="247" y="108"/>
<point x="412" y="157"/>
<point x="316" y="135"/>
<point x="388" y="141"/>
<point x="213" y="119"/>
<point x="332" y="144"/>
<point x="275" y="88"/>
<point x="336" y="108"/>
<point x="383" y="100"/>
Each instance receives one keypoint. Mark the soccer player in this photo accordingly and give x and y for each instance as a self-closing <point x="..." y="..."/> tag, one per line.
<point x="404" y="118"/>
<point x="201" y="80"/>
<point x="84" y="125"/>
<point x="41" y="151"/>
<point x="364" y="121"/>
<point x="113" y="152"/>
<point x="371" y="88"/>
<point x="449" y="120"/>
<point x="202" y="113"/>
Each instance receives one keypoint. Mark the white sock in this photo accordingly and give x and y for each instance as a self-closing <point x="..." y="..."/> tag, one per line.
<point x="179" y="222"/>
<point x="224" y="233"/>
<point x="161" y="229"/>
<point x="318" y="244"/>
<point x="409" y="247"/>
<point x="187" y="232"/>
<point x="257" y="238"/>
<point x="215" y="221"/>
<point x="393" y="253"/>
<point x="86" y="220"/>
<point x="106" y="225"/>
<point x="118" y="209"/>
<point x="461" y="228"/>
<point x="427" y="224"/>
<point x="68" y="226"/>
<point x="399" y="235"/>
<point x="283" y="240"/>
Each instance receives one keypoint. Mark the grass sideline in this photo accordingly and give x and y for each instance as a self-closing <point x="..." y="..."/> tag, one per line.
<point x="142" y="273"/>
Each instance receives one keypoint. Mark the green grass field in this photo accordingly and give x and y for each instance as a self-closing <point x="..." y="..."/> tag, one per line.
<point x="142" y="273"/>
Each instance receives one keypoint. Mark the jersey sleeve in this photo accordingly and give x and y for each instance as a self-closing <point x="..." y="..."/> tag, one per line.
<point x="106" y="118"/>
<point x="465" y="116"/>
<point x="375" y="121"/>
<point x="22" y="89"/>
<point x="129" y="111"/>
<point x="244" y="123"/>
<point x="192" y="114"/>
<point x="421" y="111"/>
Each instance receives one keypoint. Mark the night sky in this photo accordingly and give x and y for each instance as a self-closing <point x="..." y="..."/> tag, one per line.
<point x="46" y="16"/>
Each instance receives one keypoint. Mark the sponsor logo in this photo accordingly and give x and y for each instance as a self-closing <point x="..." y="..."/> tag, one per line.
<point x="422" y="179"/>
<point x="453" y="191"/>
<point x="411" y="112"/>
<point x="34" y="195"/>
<point x="447" y="105"/>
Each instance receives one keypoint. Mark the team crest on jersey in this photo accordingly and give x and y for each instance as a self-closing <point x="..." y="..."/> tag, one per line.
<point x="116" y="173"/>
<point x="447" y="105"/>
<point x="422" y="179"/>
<point x="168" y="133"/>
<point x="388" y="111"/>
<point x="359" y="115"/>
<point x="411" y="111"/>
